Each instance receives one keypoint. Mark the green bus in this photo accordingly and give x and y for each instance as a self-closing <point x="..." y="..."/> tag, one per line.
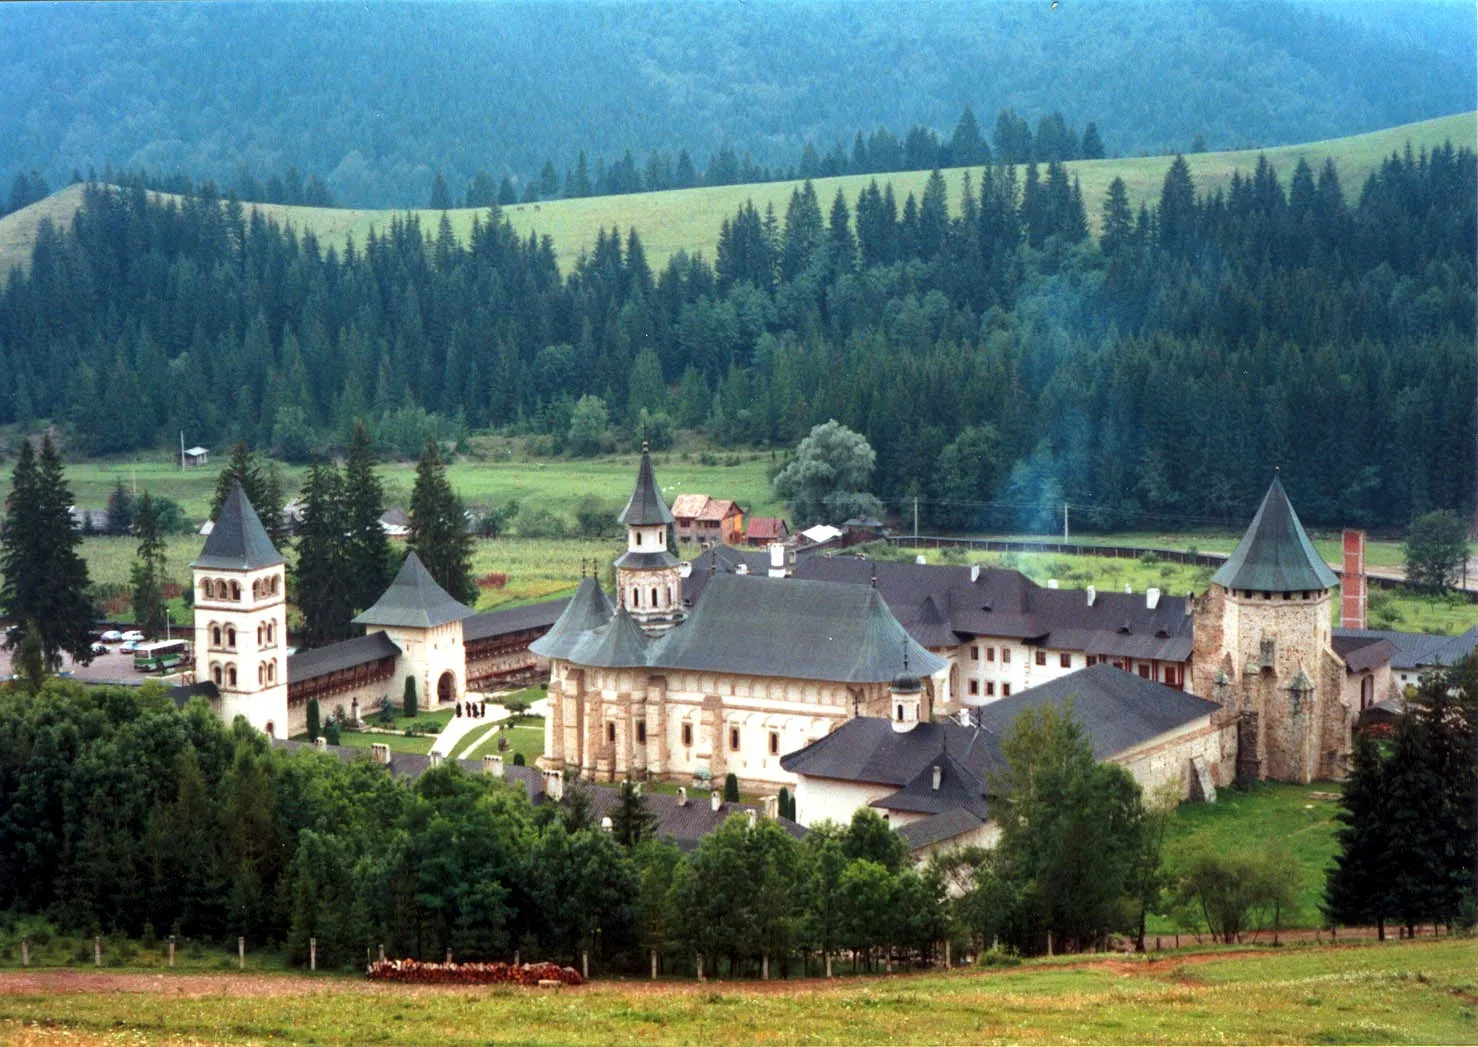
<point x="161" y="656"/>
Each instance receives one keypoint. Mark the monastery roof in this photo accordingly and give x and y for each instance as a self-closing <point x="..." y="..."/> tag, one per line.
<point x="940" y="605"/>
<point x="868" y="749"/>
<point x="238" y="541"/>
<point x="512" y="620"/>
<point x="346" y="654"/>
<point x="588" y="609"/>
<point x="414" y="600"/>
<point x="959" y="789"/>
<point x="182" y="694"/>
<point x="645" y="506"/>
<point x="944" y="826"/>
<point x="618" y="644"/>
<point x="1361" y="652"/>
<point x="1275" y="555"/>
<point x="810" y="630"/>
<point x="1117" y="710"/>
<point x="645" y="561"/>
<point x="1411" y="650"/>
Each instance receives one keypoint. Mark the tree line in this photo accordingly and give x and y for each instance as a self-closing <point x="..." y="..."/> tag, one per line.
<point x="1000" y="360"/>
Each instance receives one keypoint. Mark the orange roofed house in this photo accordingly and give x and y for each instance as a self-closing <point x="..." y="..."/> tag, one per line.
<point x="699" y="518"/>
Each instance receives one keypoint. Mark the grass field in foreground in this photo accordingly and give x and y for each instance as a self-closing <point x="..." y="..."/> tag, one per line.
<point x="1421" y="992"/>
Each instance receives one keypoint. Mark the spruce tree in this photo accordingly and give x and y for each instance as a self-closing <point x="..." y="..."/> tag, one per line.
<point x="1355" y="891"/>
<point x="366" y="547"/>
<point x="148" y="574"/>
<point x="439" y="533"/>
<point x="323" y="573"/>
<point x="631" y="820"/>
<point x="46" y="583"/>
<point x="263" y="488"/>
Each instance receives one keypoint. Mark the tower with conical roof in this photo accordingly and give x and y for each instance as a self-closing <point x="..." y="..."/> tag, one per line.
<point x="1262" y="650"/>
<point x="425" y="622"/>
<point x="648" y="584"/>
<point x="241" y="617"/>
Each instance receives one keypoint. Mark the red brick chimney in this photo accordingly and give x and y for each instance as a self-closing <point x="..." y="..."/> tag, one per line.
<point x="1352" y="582"/>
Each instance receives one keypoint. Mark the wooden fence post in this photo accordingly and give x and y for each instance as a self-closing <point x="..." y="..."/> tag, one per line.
<point x="241" y="951"/>
<point x="654" y="965"/>
<point x="700" y="968"/>
<point x="97" y="951"/>
<point x="25" y="952"/>
<point x="312" y="954"/>
<point x="171" y="950"/>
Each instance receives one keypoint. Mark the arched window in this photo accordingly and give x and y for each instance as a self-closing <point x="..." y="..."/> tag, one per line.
<point x="635" y="596"/>
<point x="271" y="634"/>
<point x="215" y="635"/>
<point x="272" y="671"/>
<point x="206" y="588"/>
<point x="230" y="676"/>
<point x="262" y="675"/>
<point x="235" y="590"/>
<point x="275" y="582"/>
<point x="231" y="637"/>
<point x="638" y="538"/>
<point x="215" y="673"/>
<point x="654" y="596"/>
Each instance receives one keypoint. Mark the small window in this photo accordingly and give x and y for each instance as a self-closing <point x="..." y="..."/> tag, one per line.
<point x="235" y="590"/>
<point x="610" y="730"/>
<point x="1005" y="690"/>
<point x="1144" y="670"/>
<point x="1005" y="656"/>
<point x="215" y="636"/>
<point x="974" y="686"/>
<point x="215" y="674"/>
<point x="1092" y="659"/>
<point x="1065" y="661"/>
<point x="1041" y="657"/>
<point x="734" y="739"/>
<point x="774" y="743"/>
<point x="990" y="688"/>
<point x="635" y="597"/>
<point x="230" y="676"/>
<point x="641" y="732"/>
<point x="231" y="637"/>
<point x="687" y="734"/>
<point x="990" y="654"/>
<point x="975" y="653"/>
<point x="638" y="538"/>
<point x="654" y="596"/>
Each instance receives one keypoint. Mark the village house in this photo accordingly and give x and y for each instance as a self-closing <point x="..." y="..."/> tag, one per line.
<point x="713" y="521"/>
<point x="765" y="530"/>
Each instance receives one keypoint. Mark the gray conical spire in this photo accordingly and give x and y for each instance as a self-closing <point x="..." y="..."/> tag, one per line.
<point x="238" y="541"/>
<point x="645" y="507"/>
<point x="588" y="609"/>
<point x="1275" y="555"/>
<point x="414" y="600"/>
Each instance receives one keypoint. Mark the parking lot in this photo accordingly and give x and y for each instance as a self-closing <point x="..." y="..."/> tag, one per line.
<point x="113" y="667"/>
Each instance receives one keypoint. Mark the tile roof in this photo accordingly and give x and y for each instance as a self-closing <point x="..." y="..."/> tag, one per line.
<point x="1275" y="555"/>
<point x="320" y="661"/>
<point x="959" y="789"/>
<point x="868" y="749"/>
<point x="618" y="644"/>
<point x="764" y="528"/>
<point x="238" y="541"/>
<point x="943" y="826"/>
<point x="588" y="609"/>
<point x="688" y="506"/>
<point x="718" y="509"/>
<point x="414" y="600"/>
<point x="645" y="507"/>
<point x="1117" y="710"/>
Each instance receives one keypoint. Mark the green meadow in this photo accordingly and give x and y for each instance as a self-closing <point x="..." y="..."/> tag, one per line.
<point x="689" y="219"/>
<point x="1408" y="992"/>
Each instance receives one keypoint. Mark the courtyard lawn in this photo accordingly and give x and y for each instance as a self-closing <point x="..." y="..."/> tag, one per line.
<point x="398" y="743"/>
<point x="1406" y="992"/>
<point x="1296" y="818"/>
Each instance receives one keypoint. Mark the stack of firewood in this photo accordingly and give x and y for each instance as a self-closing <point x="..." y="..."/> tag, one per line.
<point x="416" y="972"/>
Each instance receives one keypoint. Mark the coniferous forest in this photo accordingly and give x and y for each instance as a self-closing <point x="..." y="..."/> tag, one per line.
<point x="998" y="358"/>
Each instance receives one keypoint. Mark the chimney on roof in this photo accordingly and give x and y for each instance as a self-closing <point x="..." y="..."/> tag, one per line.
<point x="772" y="807"/>
<point x="777" y="561"/>
<point x="1128" y="588"/>
<point x="1352" y="582"/>
<point x="1152" y="598"/>
<point x="682" y="796"/>
<point x="715" y="800"/>
<point x="1051" y="583"/>
<point x="554" y="785"/>
<point x="380" y="752"/>
<point x="1092" y="595"/>
<point x="974" y="572"/>
<point x="741" y="568"/>
<point x="938" y="774"/>
<point x="320" y="743"/>
<point x="921" y="559"/>
<point x="606" y="825"/>
<point x="492" y="764"/>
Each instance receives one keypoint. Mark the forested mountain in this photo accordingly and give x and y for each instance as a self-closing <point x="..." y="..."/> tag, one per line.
<point x="999" y="361"/>
<point x="372" y="100"/>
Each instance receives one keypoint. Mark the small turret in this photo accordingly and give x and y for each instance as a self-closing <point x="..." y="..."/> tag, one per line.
<point x="905" y="697"/>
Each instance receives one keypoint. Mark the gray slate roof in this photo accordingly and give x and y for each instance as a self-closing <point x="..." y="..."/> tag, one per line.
<point x="940" y="606"/>
<point x="512" y="620"/>
<point x="646" y="561"/>
<point x="588" y="609"/>
<point x="868" y="749"/>
<point x="182" y="694"/>
<point x="944" y="826"/>
<point x="414" y="600"/>
<point x="361" y="650"/>
<point x="959" y="789"/>
<point x="618" y="644"/>
<point x="1411" y="651"/>
<point x="786" y="627"/>
<point x="645" y="507"/>
<point x="238" y="541"/>
<point x="1275" y="555"/>
<point x="1117" y="710"/>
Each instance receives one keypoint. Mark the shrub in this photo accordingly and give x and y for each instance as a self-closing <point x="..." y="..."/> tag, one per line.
<point x="313" y="728"/>
<point x="331" y="732"/>
<point x="409" y="703"/>
<point x="731" y="788"/>
<point x="518" y="760"/>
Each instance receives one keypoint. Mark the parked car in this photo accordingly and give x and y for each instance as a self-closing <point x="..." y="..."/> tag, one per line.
<point x="134" y="635"/>
<point x="129" y="646"/>
<point x="99" y="648"/>
<point x="111" y="636"/>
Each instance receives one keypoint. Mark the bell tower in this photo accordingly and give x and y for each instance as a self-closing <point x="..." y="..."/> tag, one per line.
<point x="241" y="618"/>
<point x="648" y="584"/>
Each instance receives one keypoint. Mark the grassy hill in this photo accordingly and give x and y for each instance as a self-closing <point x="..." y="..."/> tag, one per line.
<point x="689" y="219"/>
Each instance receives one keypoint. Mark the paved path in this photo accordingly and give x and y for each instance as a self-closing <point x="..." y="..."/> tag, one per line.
<point x="458" y="727"/>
